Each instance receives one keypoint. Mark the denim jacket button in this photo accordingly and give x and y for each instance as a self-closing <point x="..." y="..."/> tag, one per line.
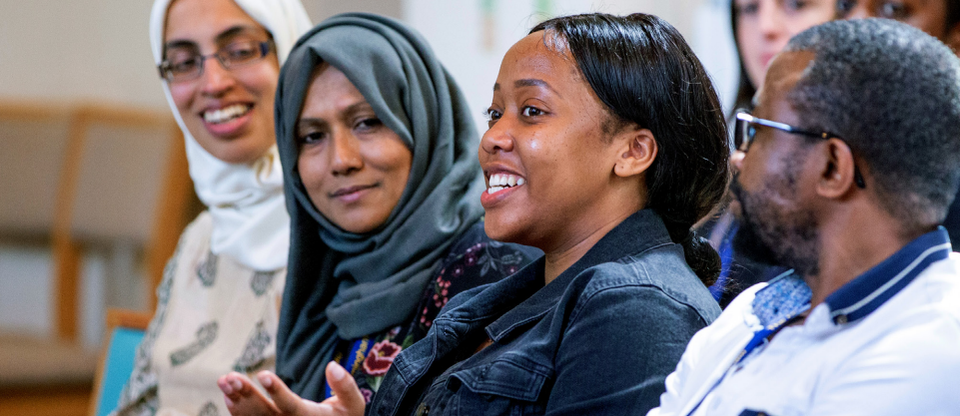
<point x="423" y="410"/>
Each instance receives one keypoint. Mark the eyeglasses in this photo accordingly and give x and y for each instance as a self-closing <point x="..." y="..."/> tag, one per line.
<point x="189" y="66"/>
<point x="745" y="130"/>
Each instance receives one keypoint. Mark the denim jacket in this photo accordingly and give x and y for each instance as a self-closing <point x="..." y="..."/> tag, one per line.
<point x="599" y="339"/>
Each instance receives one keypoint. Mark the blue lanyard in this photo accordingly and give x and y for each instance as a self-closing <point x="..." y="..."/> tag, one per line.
<point x="791" y="297"/>
<point x="759" y="338"/>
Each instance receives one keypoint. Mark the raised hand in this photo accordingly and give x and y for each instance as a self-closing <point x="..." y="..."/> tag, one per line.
<point x="243" y="399"/>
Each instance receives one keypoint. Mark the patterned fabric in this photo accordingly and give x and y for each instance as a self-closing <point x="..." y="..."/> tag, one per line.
<point x="213" y="316"/>
<point x="475" y="260"/>
<point x="783" y="299"/>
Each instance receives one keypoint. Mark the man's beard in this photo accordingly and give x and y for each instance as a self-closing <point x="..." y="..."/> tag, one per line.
<point x="785" y="237"/>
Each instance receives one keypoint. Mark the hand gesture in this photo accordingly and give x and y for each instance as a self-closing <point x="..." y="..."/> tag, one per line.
<point x="243" y="399"/>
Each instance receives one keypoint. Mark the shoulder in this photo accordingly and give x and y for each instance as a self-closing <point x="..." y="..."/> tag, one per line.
<point x="473" y="248"/>
<point x="475" y="238"/>
<point x="660" y="274"/>
<point x="199" y="230"/>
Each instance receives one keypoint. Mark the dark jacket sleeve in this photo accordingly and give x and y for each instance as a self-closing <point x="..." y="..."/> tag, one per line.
<point x="619" y="346"/>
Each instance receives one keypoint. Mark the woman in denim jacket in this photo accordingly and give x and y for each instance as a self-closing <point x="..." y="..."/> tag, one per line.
<point x="606" y="142"/>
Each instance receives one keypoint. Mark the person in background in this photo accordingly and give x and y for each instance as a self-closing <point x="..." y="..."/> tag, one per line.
<point x="593" y="155"/>
<point x="939" y="18"/>
<point x="761" y="28"/>
<point x="219" y="300"/>
<point x="378" y="152"/>
<point x="846" y="169"/>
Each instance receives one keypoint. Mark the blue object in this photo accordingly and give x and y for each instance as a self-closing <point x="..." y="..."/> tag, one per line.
<point x="117" y="367"/>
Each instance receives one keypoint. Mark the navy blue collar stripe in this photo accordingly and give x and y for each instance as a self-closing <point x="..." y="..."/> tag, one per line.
<point x="932" y="254"/>
<point x="867" y="292"/>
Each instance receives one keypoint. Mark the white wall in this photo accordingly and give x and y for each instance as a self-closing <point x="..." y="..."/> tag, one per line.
<point x="470" y="37"/>
<point x="99" y="50"/>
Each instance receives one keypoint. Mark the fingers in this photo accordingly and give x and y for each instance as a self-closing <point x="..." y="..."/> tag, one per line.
<point x="286" y="400"/>
<point x="242" y="398"/>
<point x="349" y="399"/>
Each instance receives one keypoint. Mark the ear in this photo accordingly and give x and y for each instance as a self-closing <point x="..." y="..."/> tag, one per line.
<point x="837" y="176"/>
<point x="637" y="149"/>
<point x="952" y="38"/>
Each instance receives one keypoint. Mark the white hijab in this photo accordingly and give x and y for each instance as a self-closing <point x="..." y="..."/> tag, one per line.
<point x="250" y="221"/>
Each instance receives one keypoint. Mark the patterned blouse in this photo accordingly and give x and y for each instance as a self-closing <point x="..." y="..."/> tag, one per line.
<point x="214" y="315"/>
<point x="472" y="261"/>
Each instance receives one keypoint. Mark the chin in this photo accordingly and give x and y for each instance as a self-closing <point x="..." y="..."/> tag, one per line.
<point x="497" y="230"/>
<point x="508" y="230"/>
<point x="240" y="150"/>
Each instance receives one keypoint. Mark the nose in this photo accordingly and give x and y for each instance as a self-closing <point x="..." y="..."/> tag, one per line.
<point x="497" y="138"/>
<point x="345" y="154"/>
<point x="215" y="78"/>
<point x="770" y="19"/>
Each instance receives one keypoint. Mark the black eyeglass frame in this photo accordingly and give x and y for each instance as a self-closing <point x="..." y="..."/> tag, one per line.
<point x="743" y="141"/>
<point x="264" y="48"/>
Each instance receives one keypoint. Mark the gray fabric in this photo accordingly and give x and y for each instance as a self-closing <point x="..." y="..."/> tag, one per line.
<point x="349" y="285"/>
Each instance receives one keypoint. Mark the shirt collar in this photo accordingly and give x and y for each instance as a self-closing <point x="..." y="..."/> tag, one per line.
<point x="863" y="295"/>
<point x="787" y="296"/>
<point x="639" y="232"/>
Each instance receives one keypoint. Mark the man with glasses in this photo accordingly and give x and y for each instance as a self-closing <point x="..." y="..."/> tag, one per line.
<point x="939" y="18"/>
<point x="845" y="171"/>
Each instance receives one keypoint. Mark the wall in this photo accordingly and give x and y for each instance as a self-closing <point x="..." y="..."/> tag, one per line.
<point x="99" y="50"/>
<point x="471" y="37"/>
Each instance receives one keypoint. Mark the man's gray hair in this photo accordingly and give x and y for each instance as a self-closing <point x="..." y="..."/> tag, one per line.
<point x="892" y="93"/>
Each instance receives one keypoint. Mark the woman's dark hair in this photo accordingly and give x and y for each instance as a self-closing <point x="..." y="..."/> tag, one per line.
<point x="745" y="88"/>
<point x="645" y="73"/>
<point x="953" y="14"/>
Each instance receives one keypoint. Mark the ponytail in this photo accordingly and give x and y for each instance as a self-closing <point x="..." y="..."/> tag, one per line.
<point x="697" y="251"/>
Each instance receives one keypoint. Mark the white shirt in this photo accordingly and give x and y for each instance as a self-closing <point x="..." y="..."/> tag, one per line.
<point x="874" y="347"/>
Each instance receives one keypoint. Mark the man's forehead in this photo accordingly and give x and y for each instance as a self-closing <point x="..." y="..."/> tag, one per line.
<point x="785" y="71"/>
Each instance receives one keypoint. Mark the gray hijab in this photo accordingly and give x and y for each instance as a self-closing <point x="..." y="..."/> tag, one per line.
<point x="344" y="285"/>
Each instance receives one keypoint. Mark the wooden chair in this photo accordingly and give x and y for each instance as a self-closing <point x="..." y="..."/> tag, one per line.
<point x="33" y="143"/>
<point x="124" y="179"/>
<point x="125" y="330"/>
<point x="72" y="178"/>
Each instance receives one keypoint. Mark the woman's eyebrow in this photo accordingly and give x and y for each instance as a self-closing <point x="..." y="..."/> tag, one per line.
<point x="224" y="36"/>
<point x="529" y="82"/>
<point x="237" y="30"/>
<point x="357" y="107"/>
<point x="316" y="123"/>
<point x="179" y="44"/>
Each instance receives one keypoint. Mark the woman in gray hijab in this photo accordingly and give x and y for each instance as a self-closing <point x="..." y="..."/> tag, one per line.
<point x="383" y="188"/>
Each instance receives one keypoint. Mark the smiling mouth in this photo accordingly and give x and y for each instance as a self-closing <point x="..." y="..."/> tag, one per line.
<point x="226" y="114"/>
<point x="501" y="181"/>
<point x="351" y="190"/>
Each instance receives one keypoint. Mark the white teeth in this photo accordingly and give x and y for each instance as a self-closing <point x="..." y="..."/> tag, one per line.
<point x="225" y="114"/>
<point x="501" y="181"/>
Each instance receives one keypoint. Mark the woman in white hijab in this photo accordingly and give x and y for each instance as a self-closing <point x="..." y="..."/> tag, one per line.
<point x="220" y="296"/>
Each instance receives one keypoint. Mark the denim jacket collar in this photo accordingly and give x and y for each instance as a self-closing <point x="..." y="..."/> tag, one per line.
<point x="639" y="232"/>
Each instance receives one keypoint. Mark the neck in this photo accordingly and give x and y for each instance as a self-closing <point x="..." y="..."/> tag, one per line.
<point x="576" y="245"/>
<point x="853" y="243"/>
